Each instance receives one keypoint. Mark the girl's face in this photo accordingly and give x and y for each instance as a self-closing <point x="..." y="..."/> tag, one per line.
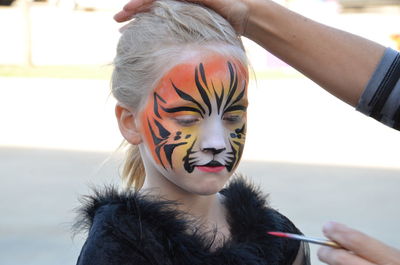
<point x="194" y="123"/>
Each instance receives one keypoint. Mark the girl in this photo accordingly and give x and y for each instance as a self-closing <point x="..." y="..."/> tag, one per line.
<point x="180" y="80"/>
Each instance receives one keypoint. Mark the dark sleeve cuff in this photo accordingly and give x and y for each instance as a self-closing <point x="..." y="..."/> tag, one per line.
<point x="381" y="98"/>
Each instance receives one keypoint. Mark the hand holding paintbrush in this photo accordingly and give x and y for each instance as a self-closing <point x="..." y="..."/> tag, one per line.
<point x="350" y="247"/>
<point x="358" y="248"/>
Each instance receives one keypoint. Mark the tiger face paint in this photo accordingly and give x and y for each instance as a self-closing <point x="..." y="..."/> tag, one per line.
<point x="194" y="122"/>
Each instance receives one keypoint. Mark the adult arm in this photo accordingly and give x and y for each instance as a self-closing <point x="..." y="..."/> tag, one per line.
<point x="340" y="62"/>
<point x="360" y="248"/>
<point x="356" y="70"/>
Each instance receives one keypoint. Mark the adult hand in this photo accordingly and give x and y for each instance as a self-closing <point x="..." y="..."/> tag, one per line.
<point x="235" y="11"/>
<point x="360" y="248"/>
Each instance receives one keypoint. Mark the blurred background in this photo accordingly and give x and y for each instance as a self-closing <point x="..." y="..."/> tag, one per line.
<point x="318" y="158"/>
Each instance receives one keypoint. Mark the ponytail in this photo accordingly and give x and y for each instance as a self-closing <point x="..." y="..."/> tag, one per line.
<point x="133" y="173"/>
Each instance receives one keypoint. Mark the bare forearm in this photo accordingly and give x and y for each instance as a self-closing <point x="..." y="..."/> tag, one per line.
<point x="340" y="62"/>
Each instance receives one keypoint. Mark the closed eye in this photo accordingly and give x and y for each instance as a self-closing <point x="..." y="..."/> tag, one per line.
<point x="233" y="117"/>
<point x="187" y="120"/>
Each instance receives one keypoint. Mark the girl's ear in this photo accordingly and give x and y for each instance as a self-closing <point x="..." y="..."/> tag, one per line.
<point x="127" y="125"/>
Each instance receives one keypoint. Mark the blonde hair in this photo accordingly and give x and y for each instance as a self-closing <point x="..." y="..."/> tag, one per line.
<point x="148" y="46"/>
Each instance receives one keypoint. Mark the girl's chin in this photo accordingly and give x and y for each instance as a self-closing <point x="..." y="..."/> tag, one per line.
<point x="210" y="186"/>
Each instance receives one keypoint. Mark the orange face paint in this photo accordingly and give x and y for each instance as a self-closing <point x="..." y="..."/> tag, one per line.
<point x="196" y="115"/>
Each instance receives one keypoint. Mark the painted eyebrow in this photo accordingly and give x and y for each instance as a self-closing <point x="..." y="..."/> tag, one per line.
<point x="183" y="108"/>
<point x="236" y="107"/>
<point x="187" y="97"/>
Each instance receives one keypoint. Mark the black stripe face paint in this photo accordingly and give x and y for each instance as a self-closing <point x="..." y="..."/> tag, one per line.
<point x="194" y="122"/>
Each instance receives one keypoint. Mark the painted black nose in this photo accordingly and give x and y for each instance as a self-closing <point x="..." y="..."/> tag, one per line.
<point x="214" y="151"/>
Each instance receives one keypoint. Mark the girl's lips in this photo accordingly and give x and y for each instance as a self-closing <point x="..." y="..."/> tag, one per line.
<point x="210" y="169"/>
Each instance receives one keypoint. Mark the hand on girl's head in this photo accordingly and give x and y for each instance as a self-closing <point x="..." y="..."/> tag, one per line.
<point x="131" y="8"/>
<point x="237" y="13"/>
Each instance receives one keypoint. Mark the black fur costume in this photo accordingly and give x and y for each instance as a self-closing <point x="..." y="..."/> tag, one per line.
<point x="130" y="228"/>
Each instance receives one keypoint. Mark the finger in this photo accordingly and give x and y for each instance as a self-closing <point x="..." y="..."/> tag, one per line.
<point x="361" y="244"/>
<point x="134" y="5"/>
<point x="334" y="256"/>
<point x="122" y="16"/>
<point x="203" y="2"/>
<point x="217" y="6"/>
<point x="132" y="8"/>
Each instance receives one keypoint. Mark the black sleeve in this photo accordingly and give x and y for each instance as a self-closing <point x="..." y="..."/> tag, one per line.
<point x="381" y="97"/>
<point x="291" y="247"/>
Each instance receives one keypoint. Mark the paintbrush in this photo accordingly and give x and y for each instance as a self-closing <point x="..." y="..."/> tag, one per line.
<point x="306" y="239"/>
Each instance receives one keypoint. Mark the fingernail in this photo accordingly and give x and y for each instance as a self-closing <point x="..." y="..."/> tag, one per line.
<point x="329" y="226"/>
<point x="326" y="228"/>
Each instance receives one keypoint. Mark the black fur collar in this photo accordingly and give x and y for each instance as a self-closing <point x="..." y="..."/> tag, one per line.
<point x="140" y="223"/>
